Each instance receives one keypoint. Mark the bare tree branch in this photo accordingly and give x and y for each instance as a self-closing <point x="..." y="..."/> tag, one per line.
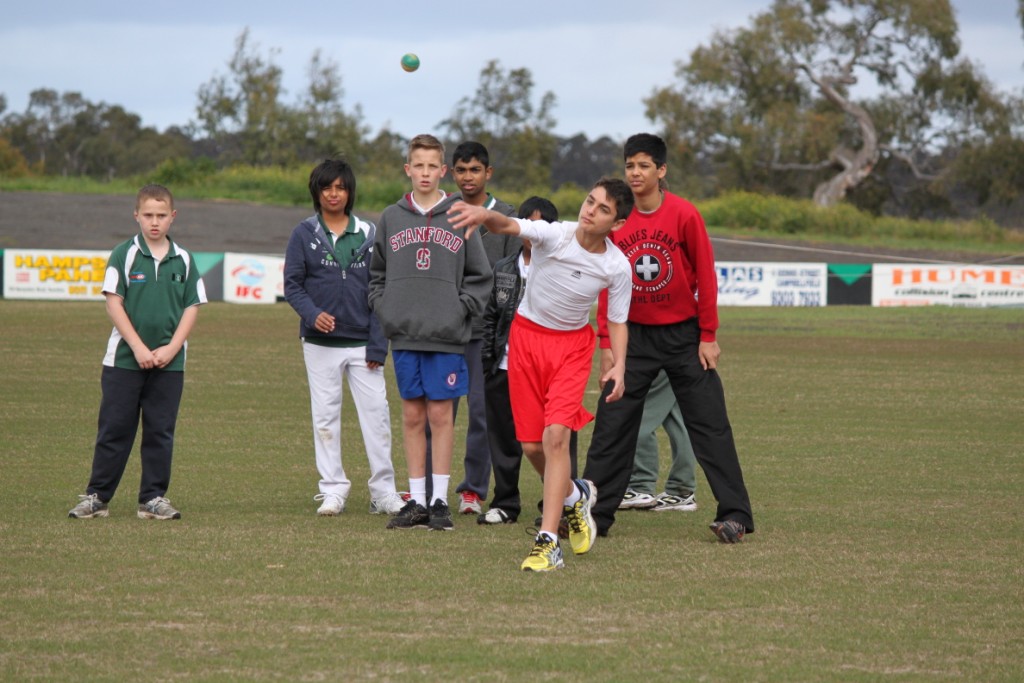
<point x="909" y="161"/>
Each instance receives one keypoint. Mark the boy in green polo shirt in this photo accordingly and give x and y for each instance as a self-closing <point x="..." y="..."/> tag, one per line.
<point x="153" y="292"/>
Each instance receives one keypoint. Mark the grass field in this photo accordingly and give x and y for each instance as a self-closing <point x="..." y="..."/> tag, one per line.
<point x="882" y="449"/>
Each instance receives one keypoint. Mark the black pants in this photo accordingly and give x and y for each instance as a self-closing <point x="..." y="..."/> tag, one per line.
<point x="701" y="399"/>
<point x="156" y="394"/>
<point x="506" y="451"/>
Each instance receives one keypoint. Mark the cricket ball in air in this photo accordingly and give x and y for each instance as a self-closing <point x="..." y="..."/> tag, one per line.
<point x="410" y="62"/>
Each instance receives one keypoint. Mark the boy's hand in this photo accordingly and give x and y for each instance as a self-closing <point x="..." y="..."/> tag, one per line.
<point x="145" y="358"/>
<point x="324" y="322"/>
<point x="616" y="375"/>
<point x="708" y="352"/>
<point x="163" y="355"/>
<point x="463" y="215"/>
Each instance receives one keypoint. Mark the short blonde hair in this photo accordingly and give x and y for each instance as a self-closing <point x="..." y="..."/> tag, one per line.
<point x="425" y="141"/>
<point x="154" y="191"/>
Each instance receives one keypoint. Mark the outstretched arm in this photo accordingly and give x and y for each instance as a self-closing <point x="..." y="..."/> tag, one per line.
<point x="463" y="215"/>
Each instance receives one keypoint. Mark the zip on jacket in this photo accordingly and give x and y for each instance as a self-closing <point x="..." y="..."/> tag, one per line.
<point x="314" y="282"/>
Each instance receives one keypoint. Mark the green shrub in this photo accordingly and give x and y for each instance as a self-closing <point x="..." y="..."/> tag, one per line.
<point x="269" y="184"/>
<point x="746" y="211"/>
<point x="177" y="172"/>
<point x="841" y="221"/>
<point x="374" y="194"/>
<point x="12" y="162"/>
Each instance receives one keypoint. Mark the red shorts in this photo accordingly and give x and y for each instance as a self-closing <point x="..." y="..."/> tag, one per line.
<point x="548" y="371"/>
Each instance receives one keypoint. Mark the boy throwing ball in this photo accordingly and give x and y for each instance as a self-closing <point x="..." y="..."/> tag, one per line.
<point x="551" y="347"/>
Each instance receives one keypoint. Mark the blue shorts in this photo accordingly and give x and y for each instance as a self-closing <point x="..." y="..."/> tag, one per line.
<point x="438" y="376"/>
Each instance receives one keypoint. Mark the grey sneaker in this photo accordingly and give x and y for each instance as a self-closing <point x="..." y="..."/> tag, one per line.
<point x="88" y="507"/>
<point x="637" y="500"/>
<point x="668" y="501"/>
<point x="729" y="531"/>
<point x="391" y="504"/>
<point x="158" y="508"/>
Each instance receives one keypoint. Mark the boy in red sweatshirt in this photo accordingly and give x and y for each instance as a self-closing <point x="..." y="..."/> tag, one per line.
<point x="673" y="319"/>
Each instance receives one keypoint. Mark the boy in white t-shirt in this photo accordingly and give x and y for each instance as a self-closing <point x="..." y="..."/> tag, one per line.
<point x="551" y="346"/>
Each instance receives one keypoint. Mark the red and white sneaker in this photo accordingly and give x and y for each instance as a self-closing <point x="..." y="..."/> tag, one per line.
<point x="469" y="503"/>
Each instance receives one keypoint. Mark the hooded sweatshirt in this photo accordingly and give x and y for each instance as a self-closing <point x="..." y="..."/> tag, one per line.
<point x="319" y="277"/>
<point x="427" y="283"/>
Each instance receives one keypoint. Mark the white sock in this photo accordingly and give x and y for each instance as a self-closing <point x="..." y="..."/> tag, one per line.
<point x="418" y="490"/>
<point x="440" y="482"/>
<point x="547" y="536"/>
<point x="576" y="494"/>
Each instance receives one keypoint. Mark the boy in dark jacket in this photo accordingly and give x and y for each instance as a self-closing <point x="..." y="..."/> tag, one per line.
<point x="326" y="281"/>
<point x="472" y="170"/>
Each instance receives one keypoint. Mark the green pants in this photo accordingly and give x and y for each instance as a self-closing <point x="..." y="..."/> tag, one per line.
<point x="660" y="409"/>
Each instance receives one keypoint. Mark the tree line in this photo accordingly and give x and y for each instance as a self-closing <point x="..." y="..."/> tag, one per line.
<point x="778" y="106"/>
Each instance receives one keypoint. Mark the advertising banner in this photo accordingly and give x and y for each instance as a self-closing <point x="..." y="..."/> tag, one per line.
<point x="253" y="278"/>
<point x="54" y="274"/>
<point x="849" y="284"/>
<point x="946" y="284"/>
<point x="771" y="284"/>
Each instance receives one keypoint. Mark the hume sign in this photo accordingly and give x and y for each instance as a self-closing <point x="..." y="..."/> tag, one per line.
<point x="945" y="284"/>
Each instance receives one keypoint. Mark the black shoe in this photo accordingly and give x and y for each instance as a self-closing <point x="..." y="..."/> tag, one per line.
<point x="411" y="516"/>
<point x="440" y="516"/>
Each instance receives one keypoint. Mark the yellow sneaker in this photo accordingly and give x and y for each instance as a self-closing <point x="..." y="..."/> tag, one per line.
<point x="582" y="530"/>
<point x="546" y="556"/>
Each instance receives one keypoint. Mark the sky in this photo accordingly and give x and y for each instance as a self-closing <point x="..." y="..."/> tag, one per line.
<point x="598" y="58"/>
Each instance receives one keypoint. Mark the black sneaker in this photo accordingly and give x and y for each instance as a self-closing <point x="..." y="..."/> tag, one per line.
<point x="729" y="531"/>
<point x="440" y="516"/>
<point x="411" y="516"/>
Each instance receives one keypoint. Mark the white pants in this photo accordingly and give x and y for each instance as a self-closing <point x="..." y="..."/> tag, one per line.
<point x="326" y="366"/>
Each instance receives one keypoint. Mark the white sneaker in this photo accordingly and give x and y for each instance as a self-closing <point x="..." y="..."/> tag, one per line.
<point x="495" y="516"/>
<point x="635" y="500"/>
<point x="332" y="505"/>
<point x="667" y="501"/>
<point x="390" y="504"/>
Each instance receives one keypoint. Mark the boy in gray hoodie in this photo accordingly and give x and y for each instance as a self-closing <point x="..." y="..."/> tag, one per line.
<point x="427" y="283"/>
